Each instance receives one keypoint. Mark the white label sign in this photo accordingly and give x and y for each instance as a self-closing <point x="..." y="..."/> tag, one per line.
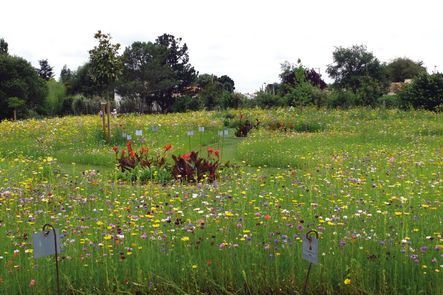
<point x="220" y="133"/>
<point x="310" y="249"/>
<point x="138" y="132"/>
<point x="225" y="132"/>
<point x="124" y="135"/>
<point x="44" y="243"/>
<point x="201" y="129"/>
<point x="190" y="133"/>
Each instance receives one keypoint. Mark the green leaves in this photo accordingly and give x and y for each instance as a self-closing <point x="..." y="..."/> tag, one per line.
<point x="106" y="64"/>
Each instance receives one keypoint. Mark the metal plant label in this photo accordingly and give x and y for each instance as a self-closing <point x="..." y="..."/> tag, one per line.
<point x="310" y="249"/>
<point x="138" y="132"/>
<point x="44" y="243"/>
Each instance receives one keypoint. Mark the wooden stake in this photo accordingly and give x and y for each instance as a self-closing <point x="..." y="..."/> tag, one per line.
<point x="103" y="112"/>
<point x="108" y="115"/>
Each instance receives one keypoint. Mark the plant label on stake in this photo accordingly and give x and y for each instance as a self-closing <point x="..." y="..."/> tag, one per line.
<point x="44" y="243"/>
<point x="201" y="129"/>
<point x="128" y="137"/>
<point x="310" y="252"/>
<point x="138" y="132"/>
<point x="47" y="242"/>
<point x="124" y="135"/>
<point x="310" y="249"/>
<point x="190" y="133"/>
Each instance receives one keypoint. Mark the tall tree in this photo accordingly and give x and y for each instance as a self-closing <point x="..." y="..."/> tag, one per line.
<point x="177" y="58"/>
<point x="352" y="67"/>
<point x="404" y="68"/>
<point x="156" y="72"/>
<point x="65" y="74"/>
<point x="105" y="64"/>
<point x="3" y="46"/>
<point x="45" y="71"/>
<point x="146" y="74"/>
<point x="19" y="79"/>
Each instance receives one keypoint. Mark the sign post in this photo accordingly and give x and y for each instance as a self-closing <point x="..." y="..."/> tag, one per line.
<point x="47" y="242"/>
<point x="310" y="252"/>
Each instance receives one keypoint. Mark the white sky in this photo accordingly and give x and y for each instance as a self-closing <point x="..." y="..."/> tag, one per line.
<point x="246" y="40"/>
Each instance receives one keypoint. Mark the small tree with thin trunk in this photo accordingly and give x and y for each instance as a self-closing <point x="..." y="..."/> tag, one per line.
<point x="16" y="103"/>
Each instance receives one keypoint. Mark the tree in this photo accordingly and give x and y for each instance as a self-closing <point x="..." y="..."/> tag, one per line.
<point x="65" y="74"/>
<point x="105" y="64"/>
<point x="425" y="92"/>
<point x="227" y="83"/>
<point x="145" y="73"/>
<point x="3" y="46"/>
<point x="81" y="83"/>
<point x="15" y="103"/>
<point x="56" y="97"/>
<point x="404" y="68"/>
<point x="19" y="79"/>
<point x="45" y="71"/>
<point x="291" y="75"/>
<point x="177" y="58"/>
<point x="156" y="72"/>
<point x="351" y="65"/>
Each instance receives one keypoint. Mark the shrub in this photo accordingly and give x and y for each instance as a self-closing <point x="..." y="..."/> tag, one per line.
<point x="341" y="98"/>
<point x="267" y="100"/>
<point x="425" y="92"/>
<point x="389" y="101"/>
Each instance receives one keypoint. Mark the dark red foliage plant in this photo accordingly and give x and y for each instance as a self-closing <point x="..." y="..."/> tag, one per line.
<point x="191" y="167"/>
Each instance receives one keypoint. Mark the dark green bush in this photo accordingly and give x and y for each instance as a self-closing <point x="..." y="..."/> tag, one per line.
<point x="425" y="92"/>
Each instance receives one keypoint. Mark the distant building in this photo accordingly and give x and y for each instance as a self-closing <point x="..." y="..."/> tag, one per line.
<point x="396" y="87"/>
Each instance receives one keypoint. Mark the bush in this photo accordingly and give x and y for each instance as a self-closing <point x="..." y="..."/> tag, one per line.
<point x="425" y="92"/>
<point x="389" y="101"/>
<point x="186" y="103"/>
<point x="267" y="100"/>
<point x="338" y="98"/>
<point x="368" y="92"/>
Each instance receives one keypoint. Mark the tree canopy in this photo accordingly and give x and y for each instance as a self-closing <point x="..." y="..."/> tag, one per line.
<point x="19" y="79"/>
<point x="105" y="64"/>
<point x="45" y="71"/>
<point x="3" y="46"/>
<point x="404" y="68"/>
<point x="157" y="72"/>
<point x="353" y="66"/>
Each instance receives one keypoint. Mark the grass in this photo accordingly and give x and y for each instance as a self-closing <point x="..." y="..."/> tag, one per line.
<point x="369" y="181"/>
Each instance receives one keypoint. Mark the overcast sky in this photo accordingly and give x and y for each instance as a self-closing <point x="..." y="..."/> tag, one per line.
<point x="246" y="40"/>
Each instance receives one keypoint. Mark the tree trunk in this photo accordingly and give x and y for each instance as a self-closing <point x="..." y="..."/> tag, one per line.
<point x="15" y="115"/>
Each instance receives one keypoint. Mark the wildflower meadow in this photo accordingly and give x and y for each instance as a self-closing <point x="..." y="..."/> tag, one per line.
<point x="178" y="204"/>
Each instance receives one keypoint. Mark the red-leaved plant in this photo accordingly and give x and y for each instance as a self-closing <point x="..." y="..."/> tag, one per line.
<point x="129" y="158"/>
<point x="192" y="168"/>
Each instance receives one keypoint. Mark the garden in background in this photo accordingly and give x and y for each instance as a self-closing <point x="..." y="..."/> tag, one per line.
<point x="170" y="207"/>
